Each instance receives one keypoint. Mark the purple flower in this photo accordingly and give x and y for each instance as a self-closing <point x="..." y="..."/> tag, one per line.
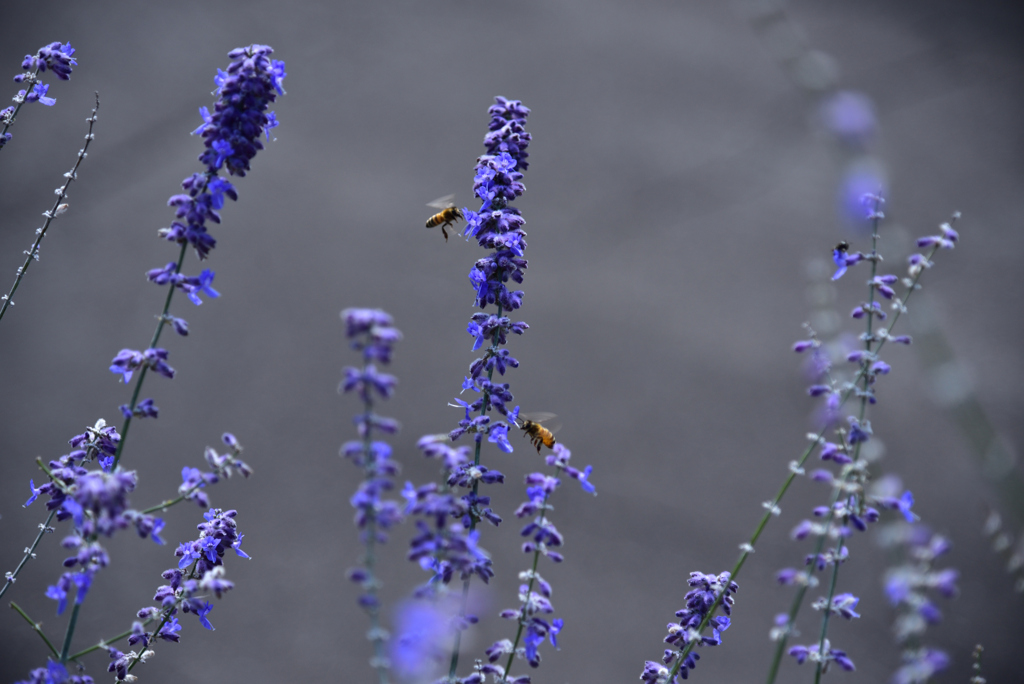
<point x="920" y="665"/>
<point x="128" y="360"/>
<point x="55" y="57"/>
<point x="826" y="655"/>
<point x="38" y="94"/>
<point x="231" y="135"/>
<point x="850" y="116"/>
<point x="708" y="591"/>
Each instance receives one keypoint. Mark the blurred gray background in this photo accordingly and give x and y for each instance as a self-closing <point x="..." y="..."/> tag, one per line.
<point x="681" y="205"/>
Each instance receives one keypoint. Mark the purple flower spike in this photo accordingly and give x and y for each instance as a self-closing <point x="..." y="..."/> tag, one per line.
<point x="231" y="135"/>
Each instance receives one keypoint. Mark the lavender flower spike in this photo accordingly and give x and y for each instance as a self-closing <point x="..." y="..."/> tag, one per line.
<point x="370" y="331"/>
<point x="231" y="134"/>
<point x="55" y="57"/>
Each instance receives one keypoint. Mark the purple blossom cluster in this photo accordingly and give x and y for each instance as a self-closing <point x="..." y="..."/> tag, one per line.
<point x="851" y="507"/>
<point x="372" y="333"/>
<point x="245" y="91"/>
<point x="542" y="539"/>
<point x="441" y="547"/>
<point x="446" y="541"/>
<point x="95" y="500"/>
<point x="909" y="587"/>
<point x="708" y="593"/>
<point x="447" y="513"/>
<point x="54" y="57"/>
<point x="231" y="135"/>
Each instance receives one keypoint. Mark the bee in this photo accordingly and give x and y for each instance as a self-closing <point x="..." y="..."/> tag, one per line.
<point x="530" y="423"/>
<point x="447" y="216"/>
<point x="839" y="257"/>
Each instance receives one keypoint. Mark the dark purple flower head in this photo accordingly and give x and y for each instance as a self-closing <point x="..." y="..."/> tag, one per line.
<point x="231" y="134"/>
<point x="55" y="57"/>
<point x="506" y="133"/>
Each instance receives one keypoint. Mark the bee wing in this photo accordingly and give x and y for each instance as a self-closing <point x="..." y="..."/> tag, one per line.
<point x="548" y="420"/>
<point x="442" y="202"/>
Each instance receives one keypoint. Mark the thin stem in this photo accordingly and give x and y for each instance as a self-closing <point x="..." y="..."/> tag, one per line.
<point x="36" y="627"/>
<point x="70" y="632"/>
<point x="824" y="622"/>
<point x="62" y="193"/>
<point x="32" y="79"/>
<point x="29" y="552"/>
<point x="162" y="320"/>
<point x="104" y="643"/>
<point x="164" y="505"/>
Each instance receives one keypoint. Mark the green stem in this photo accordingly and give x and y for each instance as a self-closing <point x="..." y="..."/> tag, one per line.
<point x="70" y="632"/>
<point x="152" y="344"/>
<point x="104" y="643"/>
<point x="62" y="193"/>
<point x="29" y="552"/>
<point x="824" y="622"/>
<point x="36" y="627"/>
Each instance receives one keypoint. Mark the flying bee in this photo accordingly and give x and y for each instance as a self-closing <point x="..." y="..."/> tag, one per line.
<point x="447" y="216"/>
<point x="539" y="435"/>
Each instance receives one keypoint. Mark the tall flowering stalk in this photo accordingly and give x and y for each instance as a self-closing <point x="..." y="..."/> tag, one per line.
<point x="54" y="57"/>
<point x="448" y="513"/>
<point x="371" y="333"/>
<point x="497" y="227"/>
<point x="95" y="499"/>
<point x="909" y="586"/>
<point x="848" y="503"/>
<point x="850" y="507"/>
<point x="58" y="209"/>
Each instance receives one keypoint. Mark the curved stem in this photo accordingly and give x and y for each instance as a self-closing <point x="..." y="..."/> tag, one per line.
<point x="36" y="627"/>
<point x="62" y="192"/>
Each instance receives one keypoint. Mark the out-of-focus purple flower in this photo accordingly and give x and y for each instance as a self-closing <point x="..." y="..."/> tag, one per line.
<point x="423" y="630"/>
<point x="826" y="655"/>
<point x="850" y="116"/>
<point x="920" y="665"/>
<point x="862" y="177"/>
